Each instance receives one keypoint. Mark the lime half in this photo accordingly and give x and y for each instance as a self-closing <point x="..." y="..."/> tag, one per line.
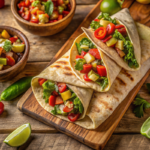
<point x="19" y="136"/>
<point x="145" y="129"/>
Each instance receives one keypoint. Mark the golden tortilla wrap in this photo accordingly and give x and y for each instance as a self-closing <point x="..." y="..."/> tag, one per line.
<point x="124" y="18"/>
<point x="60" y="71"/>
<point x="111" y="67"/>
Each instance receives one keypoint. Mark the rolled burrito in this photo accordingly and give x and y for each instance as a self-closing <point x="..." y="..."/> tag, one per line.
<point x="93" y="67"/>
<point x="117" y="36"/>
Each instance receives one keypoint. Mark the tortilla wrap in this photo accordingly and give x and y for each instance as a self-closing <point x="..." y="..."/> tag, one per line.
<point x="111" y="67"/>
<point x="124" y="18"/>
<point x="60" y="71"/>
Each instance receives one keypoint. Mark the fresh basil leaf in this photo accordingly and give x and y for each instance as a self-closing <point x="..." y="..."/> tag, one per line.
<point x="7" y="46"/>
<point x="49" y="7"/>
<point x="79" y="64"/>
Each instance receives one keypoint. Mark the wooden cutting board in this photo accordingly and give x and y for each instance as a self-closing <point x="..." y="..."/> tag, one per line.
<point x="94" y="138"/>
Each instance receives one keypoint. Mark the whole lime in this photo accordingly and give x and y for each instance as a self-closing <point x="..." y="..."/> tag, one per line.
<point x="110" y="6"/>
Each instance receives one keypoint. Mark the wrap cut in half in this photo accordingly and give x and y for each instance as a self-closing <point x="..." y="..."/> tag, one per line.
<point x="121" y="41"/>
<point x="102" y="105"/>
<point x="108" y="69"/>
<point x="67" y="94"/>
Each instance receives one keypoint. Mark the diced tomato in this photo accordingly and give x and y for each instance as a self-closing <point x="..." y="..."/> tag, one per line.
<point x="55" y="93"/>
<point x="86" y="68"/>
<point x="106" y="38"/>
<point x="40" y="12"/>
<point x="21" y="10"/>
<point x="34" y="19"/>
<point x="59" y="100"/>
<point x="101" y="70"/>
<point x="96" y="20"/>
<point x="60" y="17"/>
<point x="1" y="108"/>
<point x="10" y="61"/>
<point x="31" y="7"/>
<point x="122" y="31"/>
<point x="52" y="100"/>
<point x="13" y="39"/>
<point x="100" y="33"/>
<point x="21" y="4"/>
<point x="67" y="109"/>
<point x="78" y="56"/>
<point x="73" y="117"/>
<point x="60" y="2"/>
<point x="61" y="87"/>
<point x="83" y="53"/>
<point x="65" y="13"/>
<point x="119" y="26"/>
<point x="86" y="78"/>
<point x="34" y="11"/>
<point x="95" y="53"/>
<point x="27" y="3"/>
<point x="27" y="16"/>
<point x="41" y="81"/>
<point x="110" y="28"/>
<point x="22" y="14"/>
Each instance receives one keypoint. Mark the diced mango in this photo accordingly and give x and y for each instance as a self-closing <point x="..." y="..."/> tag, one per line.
<point x="119" y="44"/>
<point x="5" y="34"/>
<point x="89" y="58"/>
<point x="1" y="66"/>
<point x="84" y="47"/>
<point x="104" y="23"/>
<point x="111" y="42"/>
<point x="66" y="95"/>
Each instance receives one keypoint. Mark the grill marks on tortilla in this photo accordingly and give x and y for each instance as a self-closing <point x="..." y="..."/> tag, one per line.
<point x="62" y="62"/>
<point x="67" y="68"/>
<point x="121" y="82"/>
<point x="123" y="71"/>
<point x="65" y="56"/>
<point x="56" y="66"/>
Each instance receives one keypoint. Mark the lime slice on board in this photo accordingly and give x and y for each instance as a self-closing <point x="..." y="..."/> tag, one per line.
<point x="145" y="129"/>
<point x="19" y="136"/>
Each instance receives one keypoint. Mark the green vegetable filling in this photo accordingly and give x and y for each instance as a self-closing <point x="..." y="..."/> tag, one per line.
<point x="79" y="64"/>
<point x="7" y="46"/>
<point x="95" y="25"/>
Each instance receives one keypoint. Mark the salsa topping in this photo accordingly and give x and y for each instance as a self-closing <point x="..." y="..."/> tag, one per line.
<point x="11" y="50"/>
<point x="63" y="99"/>
<point x="89" y="63"/>
<point x="114" y="35"/>
<point x="43" y="11"/>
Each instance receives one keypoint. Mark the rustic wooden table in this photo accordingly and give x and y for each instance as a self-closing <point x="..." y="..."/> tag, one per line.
<point x="127" y="134"/>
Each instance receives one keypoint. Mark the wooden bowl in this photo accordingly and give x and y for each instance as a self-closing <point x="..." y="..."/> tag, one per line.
<point x="10" y="73"/>
<point x="43" y="29"/>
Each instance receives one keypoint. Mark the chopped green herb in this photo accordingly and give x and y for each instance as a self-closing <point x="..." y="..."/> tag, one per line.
<point x="7" y="46"/>
<point x="79" y="64"/>
<point x="103" y="82"/>
<point x="78" y="48"/>
<point x="35" y="3"/>
<point x="95" y="25"/>
<point x="87" y="42"/>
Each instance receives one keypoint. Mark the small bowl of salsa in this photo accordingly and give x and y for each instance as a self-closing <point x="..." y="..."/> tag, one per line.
<point x="43" y="17"/>
<point x="14" y="50"/>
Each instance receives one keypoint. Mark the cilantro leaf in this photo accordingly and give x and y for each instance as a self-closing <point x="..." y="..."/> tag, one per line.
<point x="78" y="105"/>
<point x="7" y="46"/>
<point x="78" y="48"/>
<point x="140" y="105"/>
<point x="54" y="111"/>
<point x="103" y="82"/>
<point x="107" y="17"/>
<point x="79" y="64"/>
<point x="87" y="42"/>
<point x="95" y="25"/>
<point x="49" y="7"/>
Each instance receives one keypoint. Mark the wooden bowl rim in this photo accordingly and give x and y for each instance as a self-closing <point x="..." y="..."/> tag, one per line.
<point x="18" y="17"/>
<point x="26" y="52"/>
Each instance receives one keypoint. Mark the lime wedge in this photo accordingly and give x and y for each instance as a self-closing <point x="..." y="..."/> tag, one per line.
<point x="19" y="136"/>
<point x="145" y="129"/>
<point x="18" y="47"/>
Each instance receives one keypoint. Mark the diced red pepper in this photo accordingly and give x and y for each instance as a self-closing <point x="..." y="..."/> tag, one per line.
<point x="27" y="16"/>
<point x="73" y="117"/>
<point x="10" y="61"/>
<point x="83" y="53"/>
<point x="96" y="20"/>
<point x="55" y="93"/>
<point x="52" y="100"/>
<point x="86" y="78"/>
<point x="31" y="7"/>
<point x="122" y="31"/>
<point x="106" y="38"/>
<point x="34" y="11"/>
<point x="1" y="108"/>
<point x="119" y="26"/>
<point x="13" y="39"/>
<point x="101" y="70"/>
<point x="27" y="3"/>
<point x="67" y="109"/>
<point x="61" y="87"/>
<point x="65" y="13"/>
<point x="86" y="68"/>
<point x="22" y="9"/>
<point x="22" y="4"/>
<point x="100" y="33"/>
<point x="60" y="17"/>
<point x="78" y="56"/>
<point x="34" y="19"/>
<point x="2" y="3"/>
<point x="113" y="45"/>
<point x="59" y="100"/>
<point x="39" y="12"/>
<point x="41" y="81"/>
<point x="110" y="28"/>
<point x="95" y="53"/>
